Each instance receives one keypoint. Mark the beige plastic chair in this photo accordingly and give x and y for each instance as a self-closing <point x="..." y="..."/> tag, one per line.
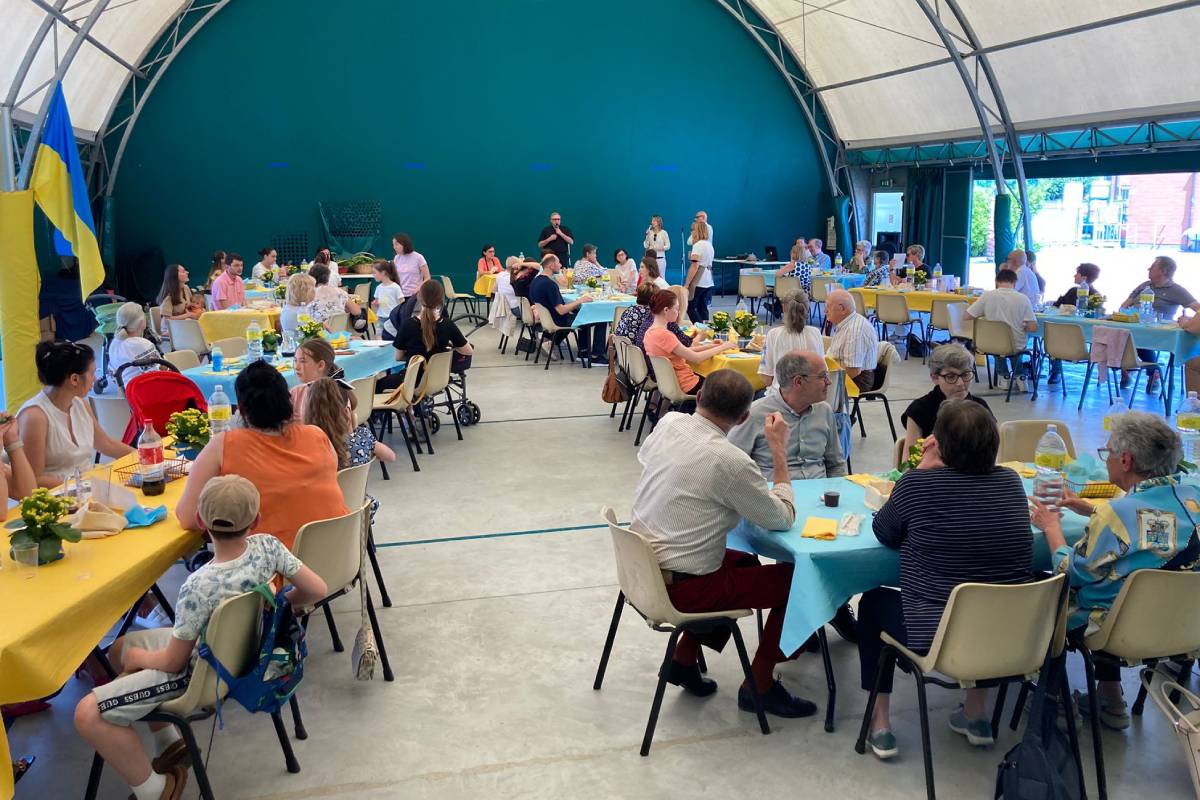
<point x="821" y="287"/>
<point x="994" y="339"/>
<point x="1019" y="438"/>
<point x="364" y="397"/>
<point x="860" y="302"/>
<point x="156" y="321"/>
<point x="332" y="548"/>
<point x="112" y="413"/>
<point x="681" y="297"/>
<point x="752" y="287"/>
<point x="437" y="381"/>
<point x="362" y="292"/>
<point x="668" y="382"/>
<point x="549" y="328"/>
<point x="338" y="323"/>
<point x="887" y="361"/>
<point x="643" y="588"/>
<point x="353" y="483"/>
<point x="1064" y="342"/>
<point x="634" y="372"/>
<point x="529" y="325"/>
<point x="453" y="298"/>
<point x="961" y="326"/>
<point x="186" y="334"/>
<point x="787" y="284"/>
<point x="988" y="635"/>
<point x="939" y="320"/>
<point x="182" y="359"/>
<point x="1130" y="362"/>
<point x="399" y="403"/>
<point x="233" y="347"/>
<point x="892" y="309"/>
<point x="898" y="453"/>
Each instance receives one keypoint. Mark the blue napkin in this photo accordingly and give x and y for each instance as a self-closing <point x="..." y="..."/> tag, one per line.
<point x="1086" y="468"/>
<point x="140" y="517"/>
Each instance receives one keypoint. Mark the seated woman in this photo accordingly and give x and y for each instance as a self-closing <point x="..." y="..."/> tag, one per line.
<point x="504" y="285"/>
<point x="660" y="341"/>
<point x="297" y="302"/>
<point x="325" y="256"/>
<point x="952" y="369"/>
<point x="587" y="267"/>
<point x="129" y="344"/>
<point x="637" y="319"/>
<point x="799" y="266"/>
<point x="267" y="258"/>
<point x="58" y="429"/>
<point x="625" y="278"/>
<point x="1153" y="526"/>
<point x="488" y="263"/>
<point x="428" y="333"/>
<point x="292" y="465"/>
<point x="794" y="334"/>
<point x="329" y="301"/>
<point x="879" y="270"/>
<point x="18" y="477"/>
<point x="175" y="300"/>
<point x="314" y="359"/>
<point x="648" y="273"/>
<point x="933" y="520"/>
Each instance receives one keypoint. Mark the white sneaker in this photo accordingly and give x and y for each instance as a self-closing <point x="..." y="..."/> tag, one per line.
<point x="1019" y="385"/>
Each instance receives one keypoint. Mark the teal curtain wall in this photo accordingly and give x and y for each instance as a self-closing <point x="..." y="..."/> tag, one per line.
<point x="1004" y="235"/>
<point x="469" y="125"/>
<point x="923" y="199"/>
<point x="956" y="222"/>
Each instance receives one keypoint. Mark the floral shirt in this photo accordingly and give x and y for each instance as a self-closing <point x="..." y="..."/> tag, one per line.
<point x="329" y="301"/>
<point x="875" y="276"/>
<point x="361" y="445"/>
<point x="585" y="269"/>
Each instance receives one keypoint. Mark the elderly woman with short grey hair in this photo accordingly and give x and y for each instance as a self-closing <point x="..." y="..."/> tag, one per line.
<point x="1152" y="527"/>
<point x="794" y="334"/>
<point x="952" y="369"/>
<point x="860" y="261"/>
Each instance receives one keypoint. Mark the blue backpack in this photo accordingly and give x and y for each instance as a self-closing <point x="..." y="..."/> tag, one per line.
<point x="276" y="673"/>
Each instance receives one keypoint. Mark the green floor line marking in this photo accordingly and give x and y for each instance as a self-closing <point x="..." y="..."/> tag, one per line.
<point x="501" y="535"/>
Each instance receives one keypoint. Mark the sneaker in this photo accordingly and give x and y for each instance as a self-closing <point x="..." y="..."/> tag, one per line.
<point x="977" y="731"/>
<point x="778" y="701"/>
<point x="883" y="744"/>
<point x="1020" y="386"/>
<point x="1054" y="379"/>
<point x="176" y="755"/>
<point x="1115" y="718"/>
<point x="690" y="679"/>
<point x="845" y="624"/>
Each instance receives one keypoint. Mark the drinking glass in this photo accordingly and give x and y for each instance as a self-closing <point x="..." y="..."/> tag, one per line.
<point x="26" y="558"/>
<point x="80" y="555"/>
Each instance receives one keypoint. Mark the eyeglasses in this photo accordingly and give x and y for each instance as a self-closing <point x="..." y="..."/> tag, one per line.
<point x="823" y="376"/>
<point x="956" y="377"/>
<point x="1103" y="452"/>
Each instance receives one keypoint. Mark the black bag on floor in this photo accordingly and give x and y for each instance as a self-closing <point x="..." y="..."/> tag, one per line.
<point x="914" y="346"/>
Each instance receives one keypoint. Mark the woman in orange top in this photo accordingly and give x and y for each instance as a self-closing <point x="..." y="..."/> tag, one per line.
<point x="660" y="341"/>
<point x="488" y="263"/>
<point x="292" y="465"/>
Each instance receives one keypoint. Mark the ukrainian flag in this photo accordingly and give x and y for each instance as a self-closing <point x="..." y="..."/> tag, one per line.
<point x="60" y="188"/>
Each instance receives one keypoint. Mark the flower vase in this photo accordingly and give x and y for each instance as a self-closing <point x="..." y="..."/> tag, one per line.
<point x="743" y="342"/>
<point x="921" y="287"/>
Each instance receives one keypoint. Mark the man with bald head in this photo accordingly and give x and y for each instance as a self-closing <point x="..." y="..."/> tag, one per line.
<point x="1027" y="282"/>
<point x="816" y="248"/>
<point x="854" y="344"/>
<point x="701" y="216"/>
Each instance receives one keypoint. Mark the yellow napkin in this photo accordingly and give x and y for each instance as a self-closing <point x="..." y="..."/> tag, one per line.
<point x="1021" y="468"/>
<point x="863" y="479"/>
<point x="820" y="528"/>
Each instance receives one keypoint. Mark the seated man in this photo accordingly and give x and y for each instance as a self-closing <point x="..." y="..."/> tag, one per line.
<point x="1085" y="273"/>
<point x="854" y="344"/>
<point x="156" y="664"/>
<point x="1006" y="304"/>
<point x="1152" y="527"/>
<point x="1168" y="297"/>
<point x="544" y="291"/>
<point x="695" y="487"/>
<point x="1026" y="282"/>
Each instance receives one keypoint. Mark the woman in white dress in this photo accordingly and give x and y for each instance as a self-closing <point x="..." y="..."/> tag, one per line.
<point x="58" y="429"/>
<point x="658" y="241"/>
<point x="129" y="344"/>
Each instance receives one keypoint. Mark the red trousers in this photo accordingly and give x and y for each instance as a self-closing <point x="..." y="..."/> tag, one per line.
<point x="741" y="582"/>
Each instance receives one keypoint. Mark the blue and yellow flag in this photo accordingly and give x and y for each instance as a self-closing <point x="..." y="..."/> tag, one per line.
<point x="60" y="188"/>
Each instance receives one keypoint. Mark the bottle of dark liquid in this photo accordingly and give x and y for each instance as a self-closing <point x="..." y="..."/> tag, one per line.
<point x="150" y="461"/>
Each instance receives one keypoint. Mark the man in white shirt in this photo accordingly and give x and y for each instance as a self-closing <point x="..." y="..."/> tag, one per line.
<point x="694" y="489"/>
<point x="854" y="344"/>
<point x="1027" y="282"/>
<point x="1006" y="304"/>
<point x="817" y="249"/>
<point x="701" y="216"/>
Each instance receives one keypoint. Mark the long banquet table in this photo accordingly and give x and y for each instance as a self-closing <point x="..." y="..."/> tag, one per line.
<point x="367" y="360"/>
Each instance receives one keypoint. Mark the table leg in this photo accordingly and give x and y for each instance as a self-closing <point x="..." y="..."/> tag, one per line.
<point x="1170" y="382"/>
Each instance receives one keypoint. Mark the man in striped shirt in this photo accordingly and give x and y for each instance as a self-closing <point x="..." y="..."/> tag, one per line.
<point x="854" y="343"/>
<point x="695" y="487"/>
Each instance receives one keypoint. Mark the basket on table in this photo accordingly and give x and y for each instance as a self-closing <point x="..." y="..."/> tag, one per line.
<point x="173" y="468"/>
<point x="1093" y="489"/>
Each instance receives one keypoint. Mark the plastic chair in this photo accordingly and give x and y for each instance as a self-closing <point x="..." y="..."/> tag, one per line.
<point x="989" y="635"/>
<point x="186" y="334"/>
<point x="233" y="347"/>
<point x="1019" y="438"/>
<point x="1063" y="342"/>
<point x="753" y="287"/>
<point x="1130" y="362"/>
<point x="787" y="284"/>
<point x="994" y="339"/>
<point x="529" y="325"/>
<point x="643" y="588"/>
<point x="939" y="320"/>
<point x="887" y="358"/>
<point x="549" y="328"/>
<point x="232" y="635"/>
<point x="338" y="323"/>
<point x="892" y="309"/>
<point x="332" y="548"/>
<point x="668" y="382"/>
<point x="437" y="381"/>
<point x="182" y="359"/>
<point x="353" y="483"/>
<point x="961" y="325"/>
<point x="156" y="321"/>
<point x="821" y="287"/>
<point x="634" y="372"/>
<point x="362" y="292"/>
<point x="453" y="298"/>
<point x="364" y="396"/>
<point x="112" y="413"/>
<point x="399" y="402"/>
<point x="898" y="453"/>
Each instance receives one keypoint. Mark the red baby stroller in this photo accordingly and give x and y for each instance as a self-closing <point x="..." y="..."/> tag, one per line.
<point x="156" y="395"/>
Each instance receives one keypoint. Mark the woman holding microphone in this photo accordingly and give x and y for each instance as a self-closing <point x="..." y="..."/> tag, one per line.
<point x="658" y="241"/>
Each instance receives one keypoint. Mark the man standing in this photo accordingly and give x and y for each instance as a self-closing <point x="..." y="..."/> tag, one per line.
<point x="544" y="291"/>
<point x="816" y="248"/>
<point x="854" y="344"/>
<point x="695" y="487"/>
<point x="1006" y="304"/>
<point x="1027" y="280"/>
<point x="229" y="290"/>
<point x="701" y="216"/>
<point x="557" y="238"/>
<point x="1168" y="297"/>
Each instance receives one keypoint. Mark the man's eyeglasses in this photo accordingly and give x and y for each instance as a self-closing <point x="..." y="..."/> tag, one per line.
<point x="956" y="377"/>
<point x="823" y="376"/>
<point x="1103" y="452"/>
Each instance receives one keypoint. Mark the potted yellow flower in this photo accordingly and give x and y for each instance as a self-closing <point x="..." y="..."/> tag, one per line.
<point x="309" y="328"/>
<point x="40" y="524"/>
<point x="743" y="324"/>
<point x="191" y="432"/>
<point x="719" y="321"/>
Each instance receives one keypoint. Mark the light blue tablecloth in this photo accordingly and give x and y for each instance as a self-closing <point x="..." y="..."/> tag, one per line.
<point x="596" y="311"/>
<point x="365" y="361"/>
<point x="828" y="573"/>
<point x="848" y="280"/>
<point x="260" y="294"/>
<point x="1167" y="337"/>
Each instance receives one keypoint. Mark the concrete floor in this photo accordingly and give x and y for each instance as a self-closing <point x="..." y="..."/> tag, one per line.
<point x="502" y="582"/>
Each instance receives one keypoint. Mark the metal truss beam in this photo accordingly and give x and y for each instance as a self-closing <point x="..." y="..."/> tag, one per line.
<point x="96" y="43"/>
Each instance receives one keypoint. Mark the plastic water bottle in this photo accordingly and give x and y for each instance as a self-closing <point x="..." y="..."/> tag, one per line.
<point x="1049" y="459"/>
<point x="1146" y="307"/>
<point x="254" y="345"/>
<point x="219" y="412"/>
<point x="1082" y="292"/>
<point x="937" y="277"/>
<point x="218" y="359"/>
<point x="837" y="264"/>
<point x="150" y="461"/>
<point x="1188" y="423"/>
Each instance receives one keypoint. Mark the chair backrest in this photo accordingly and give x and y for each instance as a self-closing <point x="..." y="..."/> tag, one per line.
<point x="681" y="296"/>
<point x="885" y="364"/>
<point x="1152" y="617"/>
<point x="183" y="359"/>
<point x="437" y="373"/>
<point x="363" y="291"/>
<point x="939" y="316"/>
<point x="860" y="301"/>
<point x="186" y="334"/>
<point x="1130" y="358"/>
<point x="995" y="631"/>
<point x="364" y="396"/>
<point x="994" y="338"/>
<point x="233" y="347"/>
<point x="891" y="308"/>
<point x="232" y="635"/>
<point x="156" y="319"/>
<point x="1064" y="341"/>
<point x="112" y="414"/>
<point x="448" y="285"/>
<point x="639" y="575"/>
<point x="668" y="383"/>
<point x="410" y="393"/>
<point x="821" y="287"/>
<point x="353" y="483"/>
<point x="960" y="325"/>
<point x="545" y="319"/>
<point x="787" y="284"/>
<point x="617" y="312"/>
<point x="1019" y="438"/>
<point x="527" y="311"/>
<point x="754" y="285"/>
<point x="338" y="323"/>
<point x="330" y="548"/>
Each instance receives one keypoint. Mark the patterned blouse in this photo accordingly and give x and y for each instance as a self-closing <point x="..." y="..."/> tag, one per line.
<point x="875" y="276"/>
<point x="803" y="271"/>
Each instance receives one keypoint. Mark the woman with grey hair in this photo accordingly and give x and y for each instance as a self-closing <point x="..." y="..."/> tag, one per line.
<point x="952" y="369"/>
<point x="878" y="272"/>
<point x="794" y="334"/>
<point x="1152" y="527"/>
<point x="859" y="262"/>
<point x="129" y="343"/>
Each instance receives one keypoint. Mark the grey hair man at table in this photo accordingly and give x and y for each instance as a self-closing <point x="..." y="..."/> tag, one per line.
<point x="1168" y="297"/>
<point x="695" y="488"/>
<point x="854" y="343"/>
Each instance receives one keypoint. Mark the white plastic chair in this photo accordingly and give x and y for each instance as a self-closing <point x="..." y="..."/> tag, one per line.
<point x="887" y="360"/>
<point x="186" y="334"/>
<point x="233" y="347"/>
<point x="353" y="483"/>
<point x="182" y="359"/>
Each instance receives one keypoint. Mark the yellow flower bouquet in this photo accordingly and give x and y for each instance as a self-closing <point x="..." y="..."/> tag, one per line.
<point x="744" y="323"/>
<point x="39" y="524"/>
<point x="719" y="321"/>
<point x="309" y="328"/>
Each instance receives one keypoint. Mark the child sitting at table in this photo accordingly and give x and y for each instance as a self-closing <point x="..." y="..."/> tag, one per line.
<point x="156" y="664"/>
<point x="331" y="405"/>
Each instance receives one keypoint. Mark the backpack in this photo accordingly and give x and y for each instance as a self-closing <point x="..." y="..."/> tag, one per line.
<point x="275" y="674"/>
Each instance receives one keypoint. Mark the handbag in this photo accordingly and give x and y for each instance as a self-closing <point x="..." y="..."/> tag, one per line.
<point x="1184" y="720"/>
<point x="364" y="654"/>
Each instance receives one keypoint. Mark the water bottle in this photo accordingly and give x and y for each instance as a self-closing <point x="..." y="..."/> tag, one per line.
<point x="150" y="461"/>
<point x="254" y="346"/>
<point x="1146" y="307"/>
<point x="218" y="359"/>
<point x="937" y="277"/>
<point x="1188" y="423"/>
<point x="1113" y="414"/>
<point x="219" y="412"/>
<point x="1081" y="299"/>
<point x="837" y="264"/>
<point x="1049" y="459"/>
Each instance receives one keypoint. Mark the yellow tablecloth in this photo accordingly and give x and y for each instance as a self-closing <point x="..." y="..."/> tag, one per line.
<point x="745" y="363"/>
<point x="227" y="324"/>
<point x="917" y="301"/>
<point x="485" y="285"/>
<point x="52" y="621"/>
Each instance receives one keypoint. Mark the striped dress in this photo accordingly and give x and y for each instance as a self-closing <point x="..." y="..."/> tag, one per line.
<point x="953" y="527"/>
